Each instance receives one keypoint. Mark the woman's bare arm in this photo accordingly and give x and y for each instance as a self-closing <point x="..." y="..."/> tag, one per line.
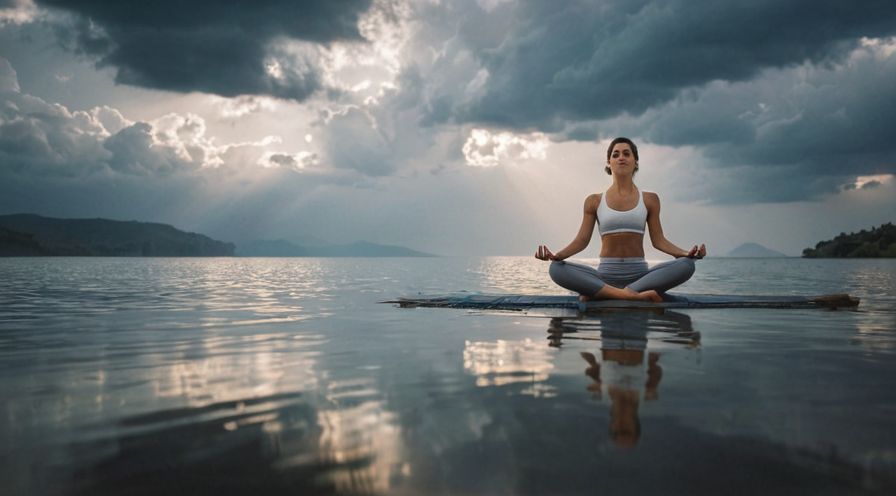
<point x="658" y="239"/>
<point x="582" y="239"/>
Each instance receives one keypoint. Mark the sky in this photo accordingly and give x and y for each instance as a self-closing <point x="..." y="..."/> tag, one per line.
<point x="467" y="127"/>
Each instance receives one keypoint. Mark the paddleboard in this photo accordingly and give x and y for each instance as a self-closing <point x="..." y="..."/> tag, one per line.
<point x="523" y="302"/>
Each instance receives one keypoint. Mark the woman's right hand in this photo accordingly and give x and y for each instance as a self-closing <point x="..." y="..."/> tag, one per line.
<point x="697" y="252"/>
<point x="543" y="253"/>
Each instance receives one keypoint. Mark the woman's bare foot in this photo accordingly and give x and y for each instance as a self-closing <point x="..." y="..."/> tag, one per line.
<point x="610" y="292"/>
<point x="650" y="295"/>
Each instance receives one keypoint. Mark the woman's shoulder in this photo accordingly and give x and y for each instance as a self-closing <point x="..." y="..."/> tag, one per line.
<point x="651" y="198"/>
<point x="592" y="201"/>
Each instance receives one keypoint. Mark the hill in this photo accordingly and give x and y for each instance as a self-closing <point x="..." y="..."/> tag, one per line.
<point x="34" y="235"/>
<point x="753" y="250"/>
<point x="879" y="242"/>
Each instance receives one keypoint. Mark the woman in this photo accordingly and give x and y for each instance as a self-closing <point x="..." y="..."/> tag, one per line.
<point x="621" y="214"/>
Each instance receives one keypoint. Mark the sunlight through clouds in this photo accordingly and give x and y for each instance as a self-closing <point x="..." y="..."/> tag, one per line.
<point x="21" y="12"/>
<point x="276" y="106"/>
<point x="232" y="108"/>
<point x="486" y="149"/>
<point x="293" y="161"/>
<point x="868" y="182"/>
<point x="881" y="47"/>
<point x="370" y="69"/>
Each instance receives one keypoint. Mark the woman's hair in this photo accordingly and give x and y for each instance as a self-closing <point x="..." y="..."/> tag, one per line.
<point x="627" y="141"/>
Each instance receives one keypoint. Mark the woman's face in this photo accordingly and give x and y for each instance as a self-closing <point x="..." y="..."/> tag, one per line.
<point x="622" y="160"/>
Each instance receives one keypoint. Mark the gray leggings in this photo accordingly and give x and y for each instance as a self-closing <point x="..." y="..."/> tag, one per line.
<point x="622" y="272"/>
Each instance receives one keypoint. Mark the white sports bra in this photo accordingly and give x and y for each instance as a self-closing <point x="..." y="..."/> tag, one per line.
<point x="611" y="221"/>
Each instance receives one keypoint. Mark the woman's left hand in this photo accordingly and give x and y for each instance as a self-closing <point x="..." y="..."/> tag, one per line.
<point x="543" y="253"/>
<point x="697" y="252"/>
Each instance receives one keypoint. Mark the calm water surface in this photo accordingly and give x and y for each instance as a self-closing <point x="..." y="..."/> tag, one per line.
<point x="276" y="376"/>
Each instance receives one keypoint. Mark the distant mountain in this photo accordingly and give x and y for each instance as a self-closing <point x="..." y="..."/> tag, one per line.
<point x="879" y="242"/>
<point x="364" y="249"/>
<point x="29" y="234"/>
<point x="284" y="248"/>
<point x="753" y="250"/>
<point x="269" y="248"/>
<point x="307" y="240"/>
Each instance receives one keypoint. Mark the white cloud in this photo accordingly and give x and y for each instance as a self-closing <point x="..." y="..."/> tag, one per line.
<point x="186" y="136"/>
<point x="273" y="68"/>
<point x="370" y="69"/>
<point x="136" y="150"/>
<point x="110" y="118"/>
<point x="44" y="139"/>
<point x="486" y="149"/>
<point x="231" y="108"/>
<point x="40" y="137"/>
<point x="292" y="161"/>
<point x="880" y="47"/>
<point x="9" y="80"/>
<point x="21" y="12"/>
<point x="868" y="182"/>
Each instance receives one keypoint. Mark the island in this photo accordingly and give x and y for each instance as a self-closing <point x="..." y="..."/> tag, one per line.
<point x="35" y="235"/>
<point x="879" y="242"/>
<point x="753" y="250"/>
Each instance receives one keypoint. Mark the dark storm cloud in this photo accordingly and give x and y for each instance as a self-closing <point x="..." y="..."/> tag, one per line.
<point x="219" y="47"/>
<point x="802" y="132"/>
<point x="578" y="60"/>
<point x="783" y="100"/>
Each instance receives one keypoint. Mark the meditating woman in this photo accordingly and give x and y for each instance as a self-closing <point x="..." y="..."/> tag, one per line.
<point x="621" y="214"/>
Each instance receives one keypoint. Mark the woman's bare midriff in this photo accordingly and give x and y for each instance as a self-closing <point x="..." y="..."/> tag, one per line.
<point x="622" y="245"/>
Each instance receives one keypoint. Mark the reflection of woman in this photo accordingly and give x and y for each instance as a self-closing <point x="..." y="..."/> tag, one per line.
<point x="621" y="214"/>
<point x="623" y="368"/>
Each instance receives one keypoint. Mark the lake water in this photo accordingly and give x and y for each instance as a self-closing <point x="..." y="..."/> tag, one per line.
<point x="286" y="376"/>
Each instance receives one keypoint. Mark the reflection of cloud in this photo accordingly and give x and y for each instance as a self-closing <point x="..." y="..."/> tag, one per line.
<point x="360" y="429"/>
<point x="209" y="377"/>
<point x="506" y="362"/>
